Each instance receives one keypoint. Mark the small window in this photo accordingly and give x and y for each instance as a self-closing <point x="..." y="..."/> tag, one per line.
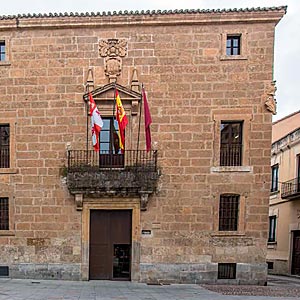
<point x="272" y="229"/>
<point x="233" y="45"/>
<point x="4" y="146"/>
<point x="270" y="265"/>
<point x="4" y="214"/>
<point x="228" y="212"/>
<point x="226" y="271"/>
<point x="4" y="271"/>
<point x="231" y="143"/>
<point x="274" y="183"/>
<point x="2" y="50"/>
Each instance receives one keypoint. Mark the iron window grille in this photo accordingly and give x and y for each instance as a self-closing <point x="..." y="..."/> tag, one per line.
<point x="2" y="50"/>
<point x="233" y="45"/>
<point x="231" y="143"/>
<point x="227" y="271"/>
<point x="272" y="229"/>
<point x="4" y="146"/>
<point x="228" y="212"/>
<point x="4" y="214"/>
<point x="274" y="183"/>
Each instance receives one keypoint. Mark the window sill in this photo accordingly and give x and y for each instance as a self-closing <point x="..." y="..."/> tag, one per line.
<point x="231" y="169"/>
<point x="5" y="63"/>
<point x="272" y="245"/>
<point x="274" y="192"/>
<point x="7" y="233"/>
<point x="8" y="171"/>
<point x="233" y="57"/>
<point x="228" y="233"/>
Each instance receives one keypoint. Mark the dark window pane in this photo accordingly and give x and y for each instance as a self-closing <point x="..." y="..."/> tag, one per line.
<point x="104" y="136"/>
<point x="233" y="45"/>
<point x="272" y="229"/>
<point x="274" y="183"/>
<point x="226" y="271"/>
<point x="231" y="144"/>
<point x="228" y="212"/>
<point x="4" y="214"/>
<point x="4" y="146"/>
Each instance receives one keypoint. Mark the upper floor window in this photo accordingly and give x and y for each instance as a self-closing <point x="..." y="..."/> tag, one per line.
<point x="228" y="212"/>
<point x="2" y="50"/>
<point x="233" y="45"/>
<point x="272" y="229"/>
<point x="4" y="146"/>
<point x="274" y="182"/>
<point x="231" y="143"/>
<point x="4" y="214"/>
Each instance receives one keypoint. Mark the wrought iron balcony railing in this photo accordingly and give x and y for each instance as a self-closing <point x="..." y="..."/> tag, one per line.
<point x="231" y="155"/>
<point x="133" y="172"/>
<point x="4" y="157"/>
<point x="291" y="188"/>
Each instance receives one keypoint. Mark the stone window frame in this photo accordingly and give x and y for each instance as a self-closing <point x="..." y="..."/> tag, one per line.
<point x="12" y="144"/>
<point x="11" y="211"/>
<point x="220" y="116"/>
<point x="241" y="214"/>
<point x="243" y="44"/>
<point x="6" y="62"/>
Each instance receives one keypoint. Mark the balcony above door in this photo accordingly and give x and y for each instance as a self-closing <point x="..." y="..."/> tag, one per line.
<point x="96" y="174"/>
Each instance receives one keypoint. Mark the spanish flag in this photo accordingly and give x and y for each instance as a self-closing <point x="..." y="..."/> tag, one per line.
<point x="122" y="121"/>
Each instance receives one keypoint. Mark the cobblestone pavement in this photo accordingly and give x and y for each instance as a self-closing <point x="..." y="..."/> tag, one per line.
<point x="20" y="289"/>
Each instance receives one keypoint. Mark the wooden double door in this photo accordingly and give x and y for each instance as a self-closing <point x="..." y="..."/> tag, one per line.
<point x="296" y="253"/>
<point x="110" y="244"/>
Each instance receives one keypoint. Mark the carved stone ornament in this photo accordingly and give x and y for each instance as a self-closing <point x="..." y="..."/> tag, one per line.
<point x="79" y="201"/>
<point x="112" y="50"/>
<point x="271" y="103"/>
<point x="144" y="201"/>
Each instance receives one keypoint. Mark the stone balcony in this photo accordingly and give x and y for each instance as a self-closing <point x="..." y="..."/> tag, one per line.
<point x="94" y="174"/>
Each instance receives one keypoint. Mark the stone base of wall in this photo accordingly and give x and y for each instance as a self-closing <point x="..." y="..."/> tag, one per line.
<point x="46" y="271"/>
<point x="255" y="274"/>
<point x="280" y="267"/>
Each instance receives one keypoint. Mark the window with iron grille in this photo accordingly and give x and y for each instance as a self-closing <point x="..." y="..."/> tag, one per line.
<point x="231" y="143"/>
<point x="272" y="229"/>
<point x="228" y="212"/>
<point x="4" y="214"/>
<point x="233" y="45"/>
<point x="274" y="183"/>
<point x="2" y="50"/>
<point x="4" y="146"/>
<point x="226" y="271"/>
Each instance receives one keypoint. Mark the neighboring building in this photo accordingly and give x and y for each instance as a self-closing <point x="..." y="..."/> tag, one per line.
<point x="284" y="214"/>
<point x="194" y="208"/>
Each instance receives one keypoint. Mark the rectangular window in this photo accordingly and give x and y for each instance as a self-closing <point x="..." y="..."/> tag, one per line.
<point x="231" y="143"/>
<point x="2" y="50"/>
<point x="233" y="45"/>
<point x="274" y="183"/>
<point x="272" y="229"/>
<point x="226" y="271"/>
<point x="228" y="212"/>
<point x="4" y="146"/>
<point x="4" y="214"/>
<point x="110" y="152"/>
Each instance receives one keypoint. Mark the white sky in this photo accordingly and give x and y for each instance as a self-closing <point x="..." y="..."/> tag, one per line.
<point x="287" y="42"/>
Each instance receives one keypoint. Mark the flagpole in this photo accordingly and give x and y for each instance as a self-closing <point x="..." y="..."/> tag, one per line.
<point x="139" y="130"/>
<point x="112" y="133"/>
<point x="87" y="128"/>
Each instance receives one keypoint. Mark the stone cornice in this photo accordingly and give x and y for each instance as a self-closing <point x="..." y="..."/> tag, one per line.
<point x="286" y="142"/>
<point x="171" y="17"/>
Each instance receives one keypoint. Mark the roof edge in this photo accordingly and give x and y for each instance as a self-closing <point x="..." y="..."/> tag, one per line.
<point x="143" y="12"/>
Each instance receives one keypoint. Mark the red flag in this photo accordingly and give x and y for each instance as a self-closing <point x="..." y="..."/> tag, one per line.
<point x="122" y="121"/>
<point x="96" y="123"/>
<point x="148" y="121"/>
